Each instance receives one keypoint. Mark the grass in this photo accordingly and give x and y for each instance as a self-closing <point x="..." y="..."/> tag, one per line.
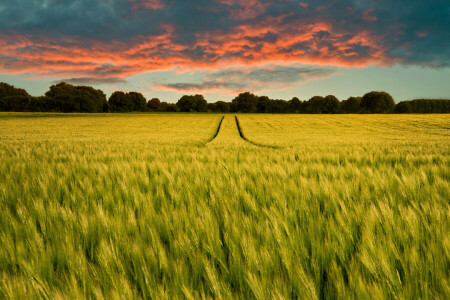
<point x="153" y="206"/>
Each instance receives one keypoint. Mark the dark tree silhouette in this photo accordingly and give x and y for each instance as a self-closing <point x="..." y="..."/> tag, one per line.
<point x="7" y="90"/>
<point x="424" y="106"/>
<point x="192" y="103"/>
<point x="222" y="106"/>
<point x="313" y="105"/>
<point x="263" y="104"/>
<point x="138" y="100"/>
<point x="68" y="98"/>
<point x="168" y="107"/>
<point x="154" y="104"/>
<point x="403" y="108"/>
<point x="377" y="103"/>
<point x="330" y="105"/>
<point x="64" y="97"/>
<point x="295" y="105"/>
<point x="120" y="102"/>
<point x="245" y="103"/>
<point x="351" y="106"/>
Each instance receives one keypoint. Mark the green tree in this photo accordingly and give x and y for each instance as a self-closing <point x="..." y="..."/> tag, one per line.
<point x="138" y="100"/>
<point x="168" y="107"/>
<point x="330" y="105"/>
<point x="12" y="98"/>
<point x="246" y="103"/>
<point x="154" y="104"/>
<point x="120" y="102"/>
<point x="192" y="103"/>
<point x="314" y="105"/>
<point x="352" y="105"/>
<point x="263" y="104"/>
<point x="222" y="106"/>
<point x="403" y="107"/>
<point x="377" y="103"/>
<point x="295" y="105"/>
<point x="69" y="98"/>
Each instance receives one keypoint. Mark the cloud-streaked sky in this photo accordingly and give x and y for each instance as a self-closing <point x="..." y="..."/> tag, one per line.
<point x="281" y="48"/>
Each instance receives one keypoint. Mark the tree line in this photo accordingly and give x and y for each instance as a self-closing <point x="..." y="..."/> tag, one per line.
<point x="64" y="97"/>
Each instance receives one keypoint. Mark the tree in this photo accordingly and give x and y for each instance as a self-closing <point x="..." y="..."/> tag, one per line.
<point x="69" y="98"/>
<point x="246" y="103"/>
<point x="295" y="105"/>
<point x="330" y="105"/>
<point x="313" y="105"/>
<point x="154" y="104"/>
<point x="377" y="103"/>
<point x="138" y="100"/>
<point x="186" y="103"/>
<point x="7" y="90"/>
<point x="403" y="107"/>
<point x="120" y="102"/>
<point x="12" y="98"/>
<point x="191" y="103"/>
<point x="211" y="107"/>
<point x="425" y="106"/>
<point x="168" y="107"/>
<point x="278" y="106"/>
<point x="200" y="103"/>
<point x="263" y="104"/>
<point x="352" y="105"/>
<point x="222" y="106"/>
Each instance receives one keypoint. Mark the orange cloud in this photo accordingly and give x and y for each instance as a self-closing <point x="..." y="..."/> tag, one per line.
<point x="269" y="40"/>
<point x="146" y="4"/>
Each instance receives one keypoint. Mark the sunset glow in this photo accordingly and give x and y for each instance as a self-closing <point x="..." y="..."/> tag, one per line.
<point x="110" y="43"/>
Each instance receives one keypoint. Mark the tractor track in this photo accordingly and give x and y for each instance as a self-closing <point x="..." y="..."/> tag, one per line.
<point x="250" y="141"/>
<point x="217" y="131"/>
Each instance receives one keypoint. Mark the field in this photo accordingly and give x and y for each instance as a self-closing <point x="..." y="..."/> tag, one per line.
<point x="168" y="206"/>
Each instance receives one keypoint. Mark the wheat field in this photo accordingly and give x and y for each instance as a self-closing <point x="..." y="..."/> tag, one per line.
<point x="189" y="206"/>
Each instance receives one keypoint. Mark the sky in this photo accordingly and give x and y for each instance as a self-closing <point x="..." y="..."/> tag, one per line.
<point x="219" y="48"/>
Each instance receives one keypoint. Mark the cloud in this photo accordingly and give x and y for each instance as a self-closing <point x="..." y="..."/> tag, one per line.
<point x="92" y="80"/>
<point x="121" y="38"/>
<point x="257" y="79"/>
<point x="147" y="4"/>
